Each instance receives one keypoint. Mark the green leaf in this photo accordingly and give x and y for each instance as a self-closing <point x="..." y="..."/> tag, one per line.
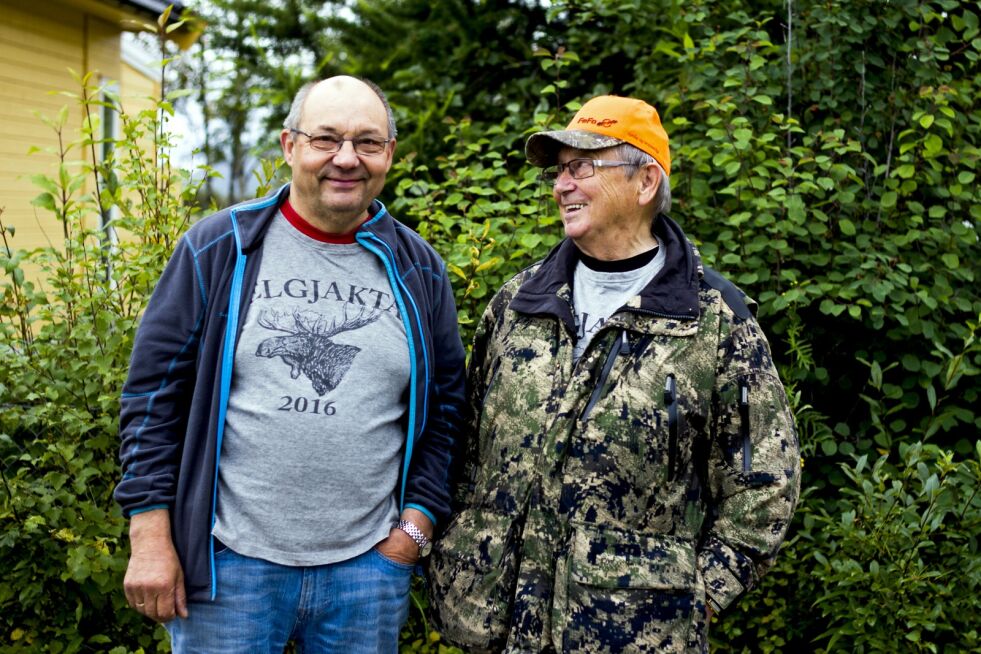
<point x="932" y="145"/>
<point x="165" y="16"/>
<point x="795" y="209"/>
<point x="45" y="201"/>
<point x="951" y="260"/>
<point x="45" y="183"/>
<point x="530" y="241"/>
<point x="456" y="270"/>
<point x="742" y="134"/>
<point x="847" y="227"/>
<point x="905" y="171"/>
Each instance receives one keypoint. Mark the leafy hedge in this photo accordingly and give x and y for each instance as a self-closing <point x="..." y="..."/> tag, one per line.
<point x="839" y="190"/>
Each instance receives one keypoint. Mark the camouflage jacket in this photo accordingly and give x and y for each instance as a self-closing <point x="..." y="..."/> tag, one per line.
<point x="602" y="503"/>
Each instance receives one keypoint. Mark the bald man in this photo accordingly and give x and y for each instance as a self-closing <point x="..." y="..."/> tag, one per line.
<point x="293" y="396"/>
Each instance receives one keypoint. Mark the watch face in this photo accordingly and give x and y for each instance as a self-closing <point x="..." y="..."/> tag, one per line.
<point x="425" y="549"/>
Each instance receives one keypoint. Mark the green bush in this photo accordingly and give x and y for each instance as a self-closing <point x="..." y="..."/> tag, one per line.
<point x="66" y="340"/>
<point x="891" y="565"/>
<point x="897" y="555"/>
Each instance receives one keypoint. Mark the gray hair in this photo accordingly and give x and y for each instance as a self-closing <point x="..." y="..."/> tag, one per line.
<point x="634" y="155"/>
<point x="292" y="120"/>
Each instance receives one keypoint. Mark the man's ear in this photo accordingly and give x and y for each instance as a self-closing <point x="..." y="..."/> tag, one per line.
<point x="390" y="154"/>
<point x="649" y="181"/>
<point x="287" y="143"/>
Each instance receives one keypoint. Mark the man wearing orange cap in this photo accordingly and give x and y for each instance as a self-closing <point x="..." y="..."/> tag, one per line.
<point x="633" y="464"/>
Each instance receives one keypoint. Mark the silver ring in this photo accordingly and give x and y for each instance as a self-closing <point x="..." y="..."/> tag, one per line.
<point x="141" y="604"/>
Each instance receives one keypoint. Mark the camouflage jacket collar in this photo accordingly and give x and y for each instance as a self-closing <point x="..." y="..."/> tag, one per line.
<point x="672" y="293"/>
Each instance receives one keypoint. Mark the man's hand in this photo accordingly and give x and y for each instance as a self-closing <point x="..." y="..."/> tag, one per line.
<point x="399" y="546"/>
<point x="154" y="582"/>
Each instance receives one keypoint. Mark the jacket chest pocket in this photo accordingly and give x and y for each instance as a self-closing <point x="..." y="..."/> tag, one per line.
<point x="634" y="448"/>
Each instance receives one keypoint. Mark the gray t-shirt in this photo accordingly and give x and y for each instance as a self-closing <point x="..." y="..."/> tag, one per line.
<point x="313" y="435"/>
<point x="597" y="295"/>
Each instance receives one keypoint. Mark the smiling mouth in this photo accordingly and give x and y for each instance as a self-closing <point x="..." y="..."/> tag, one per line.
<point x="572" y="208"/>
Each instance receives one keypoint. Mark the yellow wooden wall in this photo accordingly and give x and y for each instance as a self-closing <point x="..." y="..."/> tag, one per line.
<point x="39" y="42"/>
<point x="138" y="91"/>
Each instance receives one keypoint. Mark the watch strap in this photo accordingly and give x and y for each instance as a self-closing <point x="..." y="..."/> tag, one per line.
<point x="415" y="534"/>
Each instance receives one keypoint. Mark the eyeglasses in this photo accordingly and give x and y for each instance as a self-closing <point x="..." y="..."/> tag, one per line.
<point x="363" y="145"/>
<point x="580" y="168"/>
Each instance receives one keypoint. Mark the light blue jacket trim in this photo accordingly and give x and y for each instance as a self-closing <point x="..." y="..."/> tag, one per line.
<point x="422" y="510"/>
<point x="425" y="356"/>
<point x="363" y="238"/>
<point x="227" y="363"/>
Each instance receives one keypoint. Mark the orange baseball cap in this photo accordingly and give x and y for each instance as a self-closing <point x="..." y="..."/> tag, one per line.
<point x="603" y="122"/>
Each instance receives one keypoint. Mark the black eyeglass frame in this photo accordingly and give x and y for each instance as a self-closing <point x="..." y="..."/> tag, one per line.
<point x="317" y="141"/>
<point x="551" y="173"/>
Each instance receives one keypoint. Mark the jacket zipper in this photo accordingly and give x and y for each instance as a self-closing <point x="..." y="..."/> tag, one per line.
<point x="227" y="362"/>
<point x="744" y="425"/>
<point x="671" y="404"/>
<point x="619" y="346"/>
<point x="672" y="316"/>
<point x="363" y="237"/>
<point x="490" y="381"/>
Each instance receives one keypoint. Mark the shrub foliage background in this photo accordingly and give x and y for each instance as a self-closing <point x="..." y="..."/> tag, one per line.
<point x="825" y="158"/>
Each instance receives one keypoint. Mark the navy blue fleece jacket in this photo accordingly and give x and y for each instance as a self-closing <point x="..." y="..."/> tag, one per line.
<point x="173" y="404"/>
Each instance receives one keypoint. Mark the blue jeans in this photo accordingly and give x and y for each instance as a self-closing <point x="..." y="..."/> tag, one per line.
<point x="355" y="606"/>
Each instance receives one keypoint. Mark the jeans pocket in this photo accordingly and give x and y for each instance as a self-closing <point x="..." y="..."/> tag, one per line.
<point x="398" y="565"/>
<point x="220" y="548"/>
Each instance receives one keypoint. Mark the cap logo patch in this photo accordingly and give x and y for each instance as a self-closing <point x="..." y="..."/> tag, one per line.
<point x="605" y="122"/>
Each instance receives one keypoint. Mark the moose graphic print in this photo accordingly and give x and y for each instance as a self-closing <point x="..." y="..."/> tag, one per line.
<point x="307" y="347"/>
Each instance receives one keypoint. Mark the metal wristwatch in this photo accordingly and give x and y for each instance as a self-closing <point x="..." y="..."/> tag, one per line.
<point x="425" y="545"/>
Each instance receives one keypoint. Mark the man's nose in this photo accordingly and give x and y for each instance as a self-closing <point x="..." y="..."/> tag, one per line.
<point x="346" y="157"/>
<point x="564" y="182"/>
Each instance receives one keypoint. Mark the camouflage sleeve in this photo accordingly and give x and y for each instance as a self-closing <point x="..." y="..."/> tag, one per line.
<point x="753" y="468"/>
<point x="479" y="373"/>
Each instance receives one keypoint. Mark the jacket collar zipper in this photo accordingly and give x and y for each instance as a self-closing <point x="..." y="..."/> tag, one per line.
<point x="619" y="346"/>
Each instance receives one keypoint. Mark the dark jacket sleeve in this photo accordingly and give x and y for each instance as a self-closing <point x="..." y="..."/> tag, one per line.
<point x="153" y="411"/>
<point x="754" y="467"/>
<point x="427" y="487"/>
